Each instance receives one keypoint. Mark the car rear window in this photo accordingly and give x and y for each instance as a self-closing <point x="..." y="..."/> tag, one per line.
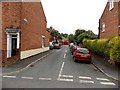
<point x="83" y="51"/>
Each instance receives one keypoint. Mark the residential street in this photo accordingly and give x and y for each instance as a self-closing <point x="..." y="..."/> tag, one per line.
<point x="58" y="70"/>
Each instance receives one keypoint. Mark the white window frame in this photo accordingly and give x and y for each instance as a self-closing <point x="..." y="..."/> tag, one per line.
<point x="18" y="40"/>
<point x="103" y="27"/>
<point x="8" y="45"/>
<point x="43" y="41"/>
<point x="111" y="4"/>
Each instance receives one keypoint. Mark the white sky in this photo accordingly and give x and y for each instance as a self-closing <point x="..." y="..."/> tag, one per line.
<point x="68" y="15"/>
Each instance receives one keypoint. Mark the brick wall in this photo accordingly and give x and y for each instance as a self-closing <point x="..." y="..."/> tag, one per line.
<point x="119" y="16"/>
<point x="32" y="31"/>
<point x="14" y="15"/>
<point x="0" y="26"/>
<point x="10" y="19"/>
<point x="111" y="20"/>
<point x="0" y="33"/>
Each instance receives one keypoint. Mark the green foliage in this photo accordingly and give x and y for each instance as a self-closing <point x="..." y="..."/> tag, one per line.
<point x="87" y="34"/>
<point x="105" y="47"/>
<point x="114" y="45"/>
<point x="71" y="38"/>
<point x="54" y="33"/>
<point x="97" y="46"/>
<point x="65" y="35"/>
<point x="79" y="31"/>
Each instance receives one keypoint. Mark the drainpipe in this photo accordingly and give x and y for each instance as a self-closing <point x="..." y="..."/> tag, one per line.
<point x="119" y="18"/>
<point x="20" y="29"/>
<point x="99" y="30"/>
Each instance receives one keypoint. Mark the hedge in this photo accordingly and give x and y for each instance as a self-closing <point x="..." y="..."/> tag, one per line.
<point x="105" y="47"/>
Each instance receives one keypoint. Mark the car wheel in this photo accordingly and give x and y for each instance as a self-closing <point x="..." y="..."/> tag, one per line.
<point x="74" y="59"/>
<point x="72" y="53"/>
<point x="90" y="61"/>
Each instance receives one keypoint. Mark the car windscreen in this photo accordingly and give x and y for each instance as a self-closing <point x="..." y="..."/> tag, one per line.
<point x="83" y="51"/>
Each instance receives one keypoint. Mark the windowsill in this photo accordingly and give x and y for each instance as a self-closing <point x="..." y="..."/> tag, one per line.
<point x="103" y="31"/>
<point x="111" y="9"/>
<point x="42" y="46"/>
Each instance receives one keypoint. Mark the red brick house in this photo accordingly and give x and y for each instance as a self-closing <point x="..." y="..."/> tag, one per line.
<point x="23" y="31"/>
<point x="109" y="23"/>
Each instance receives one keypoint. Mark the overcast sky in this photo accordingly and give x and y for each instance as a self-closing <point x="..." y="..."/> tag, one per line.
<point x="68" y="15"/>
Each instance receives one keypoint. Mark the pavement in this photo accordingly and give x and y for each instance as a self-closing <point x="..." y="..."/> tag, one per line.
<point x="103" y="65"/>
<point x="99" y="62"/>
<point x="110" y="70"/>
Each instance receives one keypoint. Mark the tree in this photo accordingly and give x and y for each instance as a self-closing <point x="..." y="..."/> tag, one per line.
<point x="79" y="31"/>
<point x="65" y="35"/>
<point x="54" y="33"/>
<point x="87" y="34"/>
<point x="71" y="38"/>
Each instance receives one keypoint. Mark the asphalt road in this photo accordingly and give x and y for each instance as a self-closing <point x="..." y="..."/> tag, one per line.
<point x="58" y="70"/>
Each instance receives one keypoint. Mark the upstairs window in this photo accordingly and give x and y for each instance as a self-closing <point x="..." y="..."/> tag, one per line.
<point x="103" y="27"/>
<point x="111" y="4"/>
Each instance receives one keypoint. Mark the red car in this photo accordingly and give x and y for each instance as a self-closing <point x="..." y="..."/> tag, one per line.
<point x="82" y="54"/>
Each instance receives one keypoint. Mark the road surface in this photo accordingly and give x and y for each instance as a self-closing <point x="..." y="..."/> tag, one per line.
<point x="58" y="70"/>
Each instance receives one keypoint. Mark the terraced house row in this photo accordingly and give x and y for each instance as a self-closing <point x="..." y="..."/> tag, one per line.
<point x="109" y="23"/>
<point x="22" y="31"/>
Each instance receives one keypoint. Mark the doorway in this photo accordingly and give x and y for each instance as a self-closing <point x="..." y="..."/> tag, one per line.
<point x="14" y="45"/>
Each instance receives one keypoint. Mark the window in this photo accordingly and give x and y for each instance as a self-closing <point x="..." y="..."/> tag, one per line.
<point x="103" y="27"/>
<point x="111" y="4"/>
<point x="83" y="51"/>
<point x="43" y="41"/>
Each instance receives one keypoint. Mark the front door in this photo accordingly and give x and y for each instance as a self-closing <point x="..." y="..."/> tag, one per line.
<point x="14" y="45"/>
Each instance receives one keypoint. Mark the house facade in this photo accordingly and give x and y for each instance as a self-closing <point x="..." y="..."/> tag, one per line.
<point x="23" y="31"/>
<point x="109" y="23"/>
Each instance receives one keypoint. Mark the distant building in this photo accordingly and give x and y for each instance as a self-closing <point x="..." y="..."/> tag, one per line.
<point x="65" y="41"/>
<point x="23" y="31"/>
<point x="109" y="23"/>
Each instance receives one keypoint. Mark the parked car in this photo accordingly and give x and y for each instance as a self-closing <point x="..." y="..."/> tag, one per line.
<point x="51" y="46"/>
<point x="57" y="46"/>
<point x="73" y="48"/>
<point x="70" y="44"/>
<point x="82" y="54"/>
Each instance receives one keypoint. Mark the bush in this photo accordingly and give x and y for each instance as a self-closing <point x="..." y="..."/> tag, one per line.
<point x="114" y="45"/>
<point x="97" y="46"/>
<point x="105" y="47"/>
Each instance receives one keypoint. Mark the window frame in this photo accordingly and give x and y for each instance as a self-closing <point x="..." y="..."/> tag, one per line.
<point x="43" y="41"/>
<point x="111" y="4"/>
<point x="103" y="27"/>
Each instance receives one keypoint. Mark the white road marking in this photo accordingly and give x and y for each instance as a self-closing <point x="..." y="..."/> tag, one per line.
<point x="107" y="83"/>
<point x="45" y="78"/>
<point x="85" y="81"/>
<point x="83" y="77"/>
<point x="65" y="55"/>
<point x="66" y="51"/>
<point x="104" y="79"/>
<point x="68" y="80"/>
<point x="69" y="76"/>
<point x="27" y="77"/>
<point x="60" y="73"/>
<point x="9" y="76"/>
